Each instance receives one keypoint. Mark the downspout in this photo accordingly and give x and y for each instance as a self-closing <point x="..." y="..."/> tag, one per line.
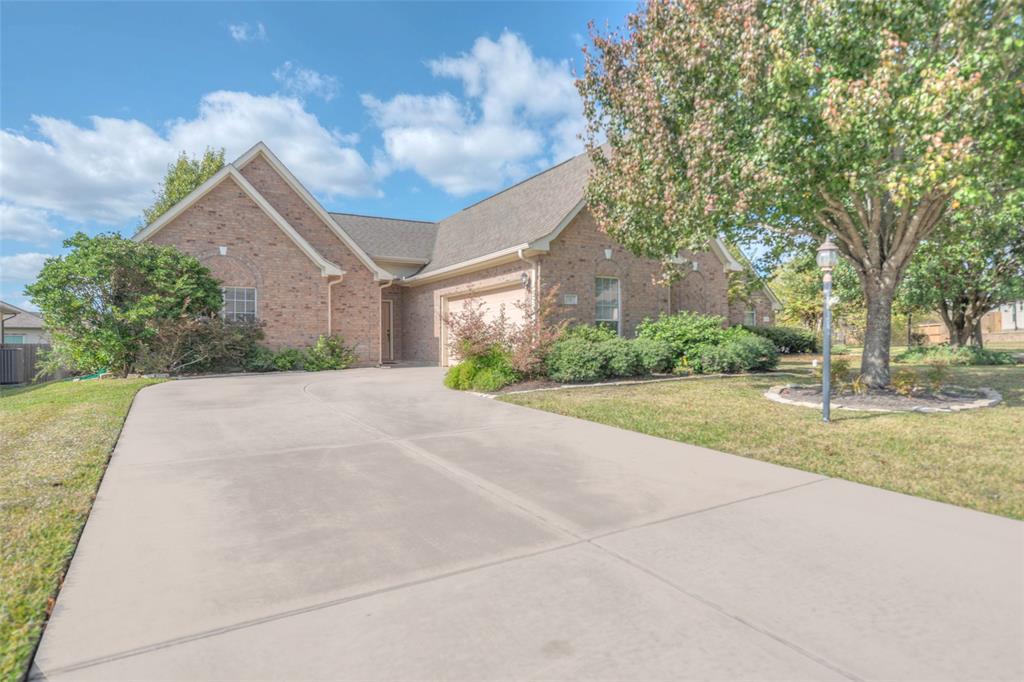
<point x="380" y="321"/>
<point x="330" y="302"/>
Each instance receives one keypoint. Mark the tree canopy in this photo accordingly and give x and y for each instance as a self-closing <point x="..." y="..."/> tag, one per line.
<point x="783" y="122"/>
<point x="183" y="176"/>
<point x="970" y="266"/>
<point x="104" y="299"/>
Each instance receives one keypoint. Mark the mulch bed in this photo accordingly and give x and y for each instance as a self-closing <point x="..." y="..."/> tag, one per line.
<point x="542" y="384"/>
<point x="948" y="399"/>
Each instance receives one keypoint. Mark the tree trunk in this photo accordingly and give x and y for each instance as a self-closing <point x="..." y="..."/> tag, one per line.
<point x="976" y="335"/>
<point x="874" y="363"/>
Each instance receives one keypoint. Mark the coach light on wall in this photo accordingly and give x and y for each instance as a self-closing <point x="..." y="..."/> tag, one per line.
<point x="828" y="256"/>
<point x="525" y="280"/>
<point x="607" y="254"/>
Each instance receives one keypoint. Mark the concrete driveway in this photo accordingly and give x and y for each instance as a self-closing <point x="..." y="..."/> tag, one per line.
<point x="369" y="524"/>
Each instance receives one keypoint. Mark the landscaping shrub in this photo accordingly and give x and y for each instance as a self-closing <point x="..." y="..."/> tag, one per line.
<point x="589" y="332"/>
<point x="620" y="357"/>
<point x="489" y="371"/>
<point x="654" y="355"/>
<point x="575" y="359"/>
<point x="196" y="344"/>
<point x="788" y="339"/>
<point x="288" y="359"/>
<point x="329" y="352"/>
<point x="741" y="351"/>
<point x="260" y="359"/>
<point x="839" y="373"/>
<point x="684" y="332"/>
<point x="962" y="355"/>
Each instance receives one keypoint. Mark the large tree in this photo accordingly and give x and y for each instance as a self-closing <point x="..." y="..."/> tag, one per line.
<point x="790" y="121"/>
<point x="971" y="265"/>
<point x="183" y="176"/>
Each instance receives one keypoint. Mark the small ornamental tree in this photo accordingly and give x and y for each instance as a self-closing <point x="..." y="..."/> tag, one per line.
<point x="183" y="176"/>
<point x="107" y="298"/>
<point x="788" y="121"/>
<point x="970" y="266"/>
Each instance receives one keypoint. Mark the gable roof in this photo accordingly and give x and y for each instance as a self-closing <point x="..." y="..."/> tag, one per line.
<point x="230" y="171"/>
<point x="392" y="239"/>
<point x="261" y="149"/>
<point x="19" y="319"/>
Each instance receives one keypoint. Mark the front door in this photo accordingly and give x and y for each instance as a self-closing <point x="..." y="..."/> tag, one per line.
<point x="387" y="326"/>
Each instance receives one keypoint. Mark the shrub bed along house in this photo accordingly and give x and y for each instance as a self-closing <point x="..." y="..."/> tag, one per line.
<point x="702" y="344"/>
<point x="329" y="352"/>
<point x="788" y="339"/>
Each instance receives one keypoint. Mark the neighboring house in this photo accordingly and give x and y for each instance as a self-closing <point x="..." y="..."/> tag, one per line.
<point x="1005" y="324"/>
<point x="386" y="284"/>
<point x="21" y="326"/>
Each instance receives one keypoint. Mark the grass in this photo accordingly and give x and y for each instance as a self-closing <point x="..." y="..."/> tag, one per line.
<point x="55" y="440"/>
<point x="973" y="459"/>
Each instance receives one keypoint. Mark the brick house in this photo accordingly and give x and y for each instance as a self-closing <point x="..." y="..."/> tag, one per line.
<point x="385" y="284"/>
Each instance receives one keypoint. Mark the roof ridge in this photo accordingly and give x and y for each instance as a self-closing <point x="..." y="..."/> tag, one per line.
<point x="521" y="182"/>
<point x="382" y="217"/>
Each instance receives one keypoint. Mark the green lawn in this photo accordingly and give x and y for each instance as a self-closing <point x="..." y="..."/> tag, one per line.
<point x="973" y="459"/>
<point x="55" y="440"/>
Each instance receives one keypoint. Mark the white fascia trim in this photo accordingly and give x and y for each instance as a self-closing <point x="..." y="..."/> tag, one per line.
<point x="326" y="267"/>
<point x="314" y="205"/>
<point x="449" y="270"/>
<point x="722" y="251"/>
<point x="402" y="261"/>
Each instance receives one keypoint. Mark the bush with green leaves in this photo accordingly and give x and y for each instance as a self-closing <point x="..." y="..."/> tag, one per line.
<point x="589" y="332"/>
<point x="620" y="357"/>
<point x="486" y="372"/>
<point x="684" y="331"/>
<point x="260" y="359"/>
<point x="105" y="300"/>
<point x="198" y="344"/>
<point x="288" y="359"/>
<point x="740" y="351"/>
<point x="962" y="355"/>
<point x="788" y="339"/>
<point x="655" y="356"/>
<point x="576" y="359"/>
<point x="329" y="352"/>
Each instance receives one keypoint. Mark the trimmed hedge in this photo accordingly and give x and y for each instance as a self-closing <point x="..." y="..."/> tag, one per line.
<point x="329" y="352"/>
<point x="740" y="352"/>
<point x="577" y="358"/>
<point x="788" y="339"/>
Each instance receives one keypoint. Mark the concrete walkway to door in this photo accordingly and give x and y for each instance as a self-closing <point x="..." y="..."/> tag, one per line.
<point x="370" y="524"/>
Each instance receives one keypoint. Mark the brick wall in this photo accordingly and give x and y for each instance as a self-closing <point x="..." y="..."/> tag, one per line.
<point x="762" y="306"/>
<point x="291" y="293"/>
<point x="421" y="315"/>
<point x="356" y="299"/>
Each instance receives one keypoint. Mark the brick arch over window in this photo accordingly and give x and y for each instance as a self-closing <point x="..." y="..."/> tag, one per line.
<point x="232" y="270"/>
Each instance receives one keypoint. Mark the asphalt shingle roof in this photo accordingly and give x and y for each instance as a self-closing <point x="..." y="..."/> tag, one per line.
<point x="519" y="214"/>
<point x="389" y="237"/>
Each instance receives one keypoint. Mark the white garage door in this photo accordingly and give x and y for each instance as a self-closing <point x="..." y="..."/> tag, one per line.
<point x="493" y="302"/>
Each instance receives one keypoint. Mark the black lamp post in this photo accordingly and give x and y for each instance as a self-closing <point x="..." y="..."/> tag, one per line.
<point x="828" y="256"/>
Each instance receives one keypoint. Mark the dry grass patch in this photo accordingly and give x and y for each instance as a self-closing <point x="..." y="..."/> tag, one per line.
<point x="55" y="440"/>
<point x="973" y="459"/>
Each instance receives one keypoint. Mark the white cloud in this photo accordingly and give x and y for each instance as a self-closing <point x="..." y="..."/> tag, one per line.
<point x="23" y="224"/>
<point x="521" y="112"/>
<point x="108" y="171"/>
<point x="245" y="33"/>
<point x="22" y="267"/>
<point x="302" y="82"/>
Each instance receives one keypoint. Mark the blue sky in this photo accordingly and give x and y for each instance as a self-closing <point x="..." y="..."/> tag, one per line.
<point x="402" y="109"/>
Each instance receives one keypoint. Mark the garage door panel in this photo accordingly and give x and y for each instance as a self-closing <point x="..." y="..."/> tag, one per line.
<point x="493" y="303"/>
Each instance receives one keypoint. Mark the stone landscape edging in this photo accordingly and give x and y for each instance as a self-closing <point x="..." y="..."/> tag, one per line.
<point x="989" y="398"/>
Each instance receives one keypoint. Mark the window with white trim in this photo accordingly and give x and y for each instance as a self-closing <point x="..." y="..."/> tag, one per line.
<point x="239" y="304"/>
<point x="607" y="309"/>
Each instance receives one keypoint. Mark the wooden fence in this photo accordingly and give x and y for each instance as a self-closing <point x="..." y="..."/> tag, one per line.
<point x="20" y="362"/>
